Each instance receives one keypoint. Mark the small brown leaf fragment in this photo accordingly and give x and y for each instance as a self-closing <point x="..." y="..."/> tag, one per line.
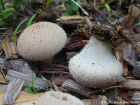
<point x="135" y="11"/>
<point x="124" y="95"/>
<point x="119" y="56"/>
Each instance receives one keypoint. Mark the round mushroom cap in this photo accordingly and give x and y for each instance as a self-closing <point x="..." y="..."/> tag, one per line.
<point x="41" y="41"/>
<point x="57" y="98"/>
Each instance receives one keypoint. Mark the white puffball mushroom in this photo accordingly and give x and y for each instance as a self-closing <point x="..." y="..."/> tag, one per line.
<point x="57" y="98"/>
<point x="95" y="66"/>
<point x="26" y="104"/>
<point x="41" y="41"/>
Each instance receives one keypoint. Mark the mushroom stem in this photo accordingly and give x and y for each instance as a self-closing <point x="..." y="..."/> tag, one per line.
<point x="47" y="61"/>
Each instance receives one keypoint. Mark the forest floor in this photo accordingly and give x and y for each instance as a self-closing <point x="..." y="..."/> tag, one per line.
<point x="115" y="23"/>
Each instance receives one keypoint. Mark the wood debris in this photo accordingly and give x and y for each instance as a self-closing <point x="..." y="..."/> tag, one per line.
<point x="2" y="80"/>
<point x="112" y="95"/>
<point x="102" y="100"/>
<point x="13" y="91"/>
<point x="28" y="79"/>
<point x="129" y="54"/>
<point x="24" y="97"/>
<point x="119" y="27"/>
<point x="76" y="87"/>
<point x="136" y="72"/>
<point x="10" y="49"/>
<point x="3" y="88"/>
<point x="132" y="84"/>
<point x="136" y="97"/>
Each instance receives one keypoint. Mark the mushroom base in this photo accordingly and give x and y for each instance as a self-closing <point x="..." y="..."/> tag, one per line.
<point x="47" y="61"/>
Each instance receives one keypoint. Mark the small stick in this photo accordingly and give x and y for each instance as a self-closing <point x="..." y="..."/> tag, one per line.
<point x="59" y="72"/>
<point x="61" y="66"/>
<point x="106" y="89"/>
<point x="116" y="33"/>
<point x="50" y="69"/>
<point x="129" y="77"/>
<point x="3" y="82"/>
<point x="131" y="7"/>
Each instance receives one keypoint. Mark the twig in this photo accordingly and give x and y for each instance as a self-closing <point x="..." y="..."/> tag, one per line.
<point x="19" y="13"/>
<point x="3" y="82"/>
<point x="3" y="28"/>
<point x="129" y="77"/>
<point x="61" y="66"/>
<point x="131" y="7"/>
<point x="59" y="72"/>
<point x="116" y="33"/>
<point x="106" y="89"/>
<point x="50" y="69"/>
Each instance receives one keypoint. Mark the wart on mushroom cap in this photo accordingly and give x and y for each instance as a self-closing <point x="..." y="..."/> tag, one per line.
<point x="95" y="66"/>
<point x="41" y="41"/>
<point x="57" y="98"/>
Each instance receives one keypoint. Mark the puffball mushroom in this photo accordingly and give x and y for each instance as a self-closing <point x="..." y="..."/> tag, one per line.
<point x="95" y="66"/>
<point x="41" y="41"/>
<point x="57" y="98"/>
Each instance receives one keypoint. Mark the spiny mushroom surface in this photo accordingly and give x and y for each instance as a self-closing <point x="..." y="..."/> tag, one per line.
<point x="95" y="66"/>
<point x="57" y="98"/>
<point x="41" y="41"/>
<point x="26" y="104"/>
